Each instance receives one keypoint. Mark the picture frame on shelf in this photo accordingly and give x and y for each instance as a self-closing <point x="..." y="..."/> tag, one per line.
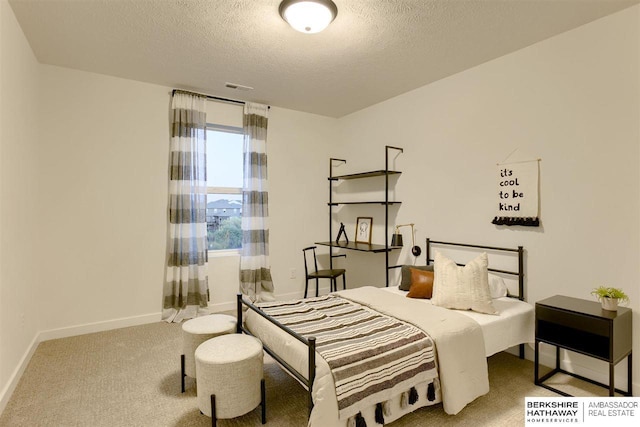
<point x="363" y="229"/>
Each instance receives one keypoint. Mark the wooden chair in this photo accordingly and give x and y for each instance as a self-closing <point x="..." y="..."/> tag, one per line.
<point x="332" y="274"/>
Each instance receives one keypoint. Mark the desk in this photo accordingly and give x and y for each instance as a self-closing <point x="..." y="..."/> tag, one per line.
<point x="584" y="327"/>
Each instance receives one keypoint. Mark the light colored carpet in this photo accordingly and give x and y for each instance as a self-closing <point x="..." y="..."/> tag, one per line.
<point x="131" y="377"/>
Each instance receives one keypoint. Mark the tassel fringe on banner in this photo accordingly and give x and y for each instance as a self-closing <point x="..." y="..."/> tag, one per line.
<point x="505" y="220"/>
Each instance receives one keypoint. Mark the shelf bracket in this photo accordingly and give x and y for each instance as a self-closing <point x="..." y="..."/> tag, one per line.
<point x="331" y="161"/>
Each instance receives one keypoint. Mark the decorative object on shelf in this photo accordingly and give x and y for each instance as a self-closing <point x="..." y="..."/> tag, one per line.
<point x="340" y="233"/>
<point x="517" y="192"/>
<point x="363" y="229"/>
<point x="610" y="297"/>
<point x="396" y="239"/>
<point x="308" y="16"/>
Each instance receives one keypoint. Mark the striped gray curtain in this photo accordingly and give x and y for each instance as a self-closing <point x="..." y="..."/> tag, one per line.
<point x="255" y="273"/>
<point x="186" y="287"/>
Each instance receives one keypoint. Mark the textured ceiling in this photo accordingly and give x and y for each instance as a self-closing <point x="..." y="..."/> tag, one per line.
<point x="374" y="49"/>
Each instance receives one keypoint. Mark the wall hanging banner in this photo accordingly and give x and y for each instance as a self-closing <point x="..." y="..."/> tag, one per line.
<point x="517" y="194"/>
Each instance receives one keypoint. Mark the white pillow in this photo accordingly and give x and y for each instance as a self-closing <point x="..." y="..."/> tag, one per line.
<point x="462" y="288"/>
<point x="497" y="287"/>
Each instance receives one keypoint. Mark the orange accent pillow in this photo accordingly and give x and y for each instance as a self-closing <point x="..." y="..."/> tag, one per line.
<point x="421" y="284"/>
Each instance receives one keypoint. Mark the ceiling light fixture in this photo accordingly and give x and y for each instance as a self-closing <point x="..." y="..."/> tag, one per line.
<point x="308" y="16"/>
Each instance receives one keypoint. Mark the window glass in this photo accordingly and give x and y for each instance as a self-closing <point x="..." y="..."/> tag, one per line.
<point x="224" y="158"/>
<point x="224" y="188"/>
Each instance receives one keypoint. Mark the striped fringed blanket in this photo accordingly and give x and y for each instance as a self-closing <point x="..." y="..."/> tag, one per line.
<point x="373" y="357"/>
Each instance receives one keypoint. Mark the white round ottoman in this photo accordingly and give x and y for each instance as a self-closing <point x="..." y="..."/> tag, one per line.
<point x="198" y="330"/>
<point x="230" y="378"/>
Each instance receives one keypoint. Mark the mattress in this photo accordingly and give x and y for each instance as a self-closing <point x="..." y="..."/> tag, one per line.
<point x="513" y="325"/>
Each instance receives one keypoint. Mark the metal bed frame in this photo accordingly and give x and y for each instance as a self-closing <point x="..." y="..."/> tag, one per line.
<point x="519" y="250"/>
<point x="311" y="341"/>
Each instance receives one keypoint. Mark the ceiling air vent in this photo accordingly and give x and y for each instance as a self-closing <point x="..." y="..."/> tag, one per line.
<point x="237" y="86"/>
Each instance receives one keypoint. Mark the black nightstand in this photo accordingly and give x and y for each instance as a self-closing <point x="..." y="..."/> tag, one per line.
<point x="584" y="327"/>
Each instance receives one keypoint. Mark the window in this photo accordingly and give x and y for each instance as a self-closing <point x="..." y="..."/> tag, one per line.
<point x="224" y="187"/>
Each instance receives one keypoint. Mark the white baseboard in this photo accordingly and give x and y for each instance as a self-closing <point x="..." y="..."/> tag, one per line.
<point x="50" y="334"/>
<point x="107" y="325"/>
<point x="222" y="307"/>
<point x="300" y="294"/>
<point x="11" y="385"/>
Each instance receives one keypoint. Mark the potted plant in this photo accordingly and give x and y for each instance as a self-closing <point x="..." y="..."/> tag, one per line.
<point x="610" y="297"/>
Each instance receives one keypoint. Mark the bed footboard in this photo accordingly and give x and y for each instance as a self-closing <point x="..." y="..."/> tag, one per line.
<point x="309" y="342"/>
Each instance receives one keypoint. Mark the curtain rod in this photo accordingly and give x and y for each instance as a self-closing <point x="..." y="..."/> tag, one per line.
<point x="214" y="98"/>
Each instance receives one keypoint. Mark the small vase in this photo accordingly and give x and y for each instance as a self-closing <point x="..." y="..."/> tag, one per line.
<point x="610" y="304"/>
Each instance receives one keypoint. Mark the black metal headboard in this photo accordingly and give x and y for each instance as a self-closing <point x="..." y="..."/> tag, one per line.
<point x="519" y="250"/>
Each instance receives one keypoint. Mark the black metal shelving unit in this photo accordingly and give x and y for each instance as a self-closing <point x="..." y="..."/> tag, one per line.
<point x="364" y="247"/>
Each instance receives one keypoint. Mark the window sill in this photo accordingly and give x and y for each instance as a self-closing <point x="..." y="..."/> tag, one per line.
<point x="224" y="253"/>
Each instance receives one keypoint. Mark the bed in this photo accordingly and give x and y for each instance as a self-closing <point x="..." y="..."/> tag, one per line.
<point x="452" y="359"/>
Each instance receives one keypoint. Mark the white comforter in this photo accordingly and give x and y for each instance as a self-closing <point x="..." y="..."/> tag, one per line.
<point x="513" y="325"/>
<point x="459" y="345"/>
<point x="462" y="365"/>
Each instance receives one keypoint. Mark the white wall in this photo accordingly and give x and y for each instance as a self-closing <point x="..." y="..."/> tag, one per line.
<point x="103" y="195"/>
<point x="300" y="145"/>
<point x="573" y="101"/>
<point x="18" y="200"/>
